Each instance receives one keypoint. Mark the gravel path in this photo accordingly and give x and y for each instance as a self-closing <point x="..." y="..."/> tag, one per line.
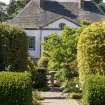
<point x="57" y="98"/>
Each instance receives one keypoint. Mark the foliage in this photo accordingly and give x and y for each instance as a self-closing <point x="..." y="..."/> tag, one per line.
<point x="66" y="73"/>
<point x="36" y="97"/>
<point x="75" y="95"/>
<point x="61" y="51"/>
<point x="15" y="6"/>
<point x="97" y="1"/>
<point x="52" y="50"/>
<point x="15" y="88"/>
<point x="13" y="48"/>
<point x="12" y="7"/>
<point x="102" y="6"/>
<point x="71" y="86"/>
<point x="84" y="23"/>
<point x="91" y="54"/>
<point x="39" y="75"/>
<point x="39" y="78"/>
<point x="31" y="65"/>
<point x="43" y="62"/>
<point x="94" y="90"/>
<point x="3" y="15"/>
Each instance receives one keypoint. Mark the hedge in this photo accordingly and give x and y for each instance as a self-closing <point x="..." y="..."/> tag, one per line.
<point x="15" y="88"/>
<point x="39" y="78"/>
<point x="13" y="47"/>
<point x="91" y="50"/>
<point x="94" y="91"/>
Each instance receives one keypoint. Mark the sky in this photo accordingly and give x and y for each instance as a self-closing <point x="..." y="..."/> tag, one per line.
<point x="5" y="1"/>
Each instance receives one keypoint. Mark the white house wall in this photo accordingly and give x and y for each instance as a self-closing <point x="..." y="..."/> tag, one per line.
<point x="67" y="22"/>
<point x="34" y="33"/>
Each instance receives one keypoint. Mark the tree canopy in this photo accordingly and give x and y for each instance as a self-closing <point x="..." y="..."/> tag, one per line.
<point x="15" y="6"/>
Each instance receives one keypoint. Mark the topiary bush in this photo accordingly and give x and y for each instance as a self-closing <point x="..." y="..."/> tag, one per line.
<point x="39" y="78"/>
<point x="94" y="91"/>
<point x="43" y="62"/>
<point x="15" y="88"/>
<point x="91" y="50"/>
<point x="13" y="48"/>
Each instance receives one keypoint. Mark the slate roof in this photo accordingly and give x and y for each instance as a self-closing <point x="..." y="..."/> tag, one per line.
<point x="34" y="16"/>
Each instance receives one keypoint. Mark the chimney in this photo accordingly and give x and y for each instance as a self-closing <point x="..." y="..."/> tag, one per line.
<point x="41" y="3"/>
<point x="82" y="2"/>
<point x="74" y="1"/>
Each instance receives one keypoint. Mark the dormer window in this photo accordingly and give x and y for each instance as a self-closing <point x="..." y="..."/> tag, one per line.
<point x="62" y="25"/>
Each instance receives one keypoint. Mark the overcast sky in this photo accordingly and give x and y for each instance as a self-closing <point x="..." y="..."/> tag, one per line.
<point x="6" y="1"/>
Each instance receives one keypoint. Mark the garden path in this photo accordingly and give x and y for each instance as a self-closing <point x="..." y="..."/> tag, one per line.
<point x="57" y="98"/>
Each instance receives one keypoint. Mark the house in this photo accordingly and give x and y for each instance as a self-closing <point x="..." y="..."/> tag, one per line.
<point x="40" y="18"/>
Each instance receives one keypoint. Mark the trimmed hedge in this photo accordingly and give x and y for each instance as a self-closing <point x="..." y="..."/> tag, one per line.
<point x="91" y="50"/>
<point x="13" y="48"/>
<point x="15" y="88"/>
<point x="94" y="91"/>
<point x="39" y="78"/>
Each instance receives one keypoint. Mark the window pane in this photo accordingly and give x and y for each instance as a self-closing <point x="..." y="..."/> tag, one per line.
<point x="31" y="43"/>
<point x="62" y="25"/>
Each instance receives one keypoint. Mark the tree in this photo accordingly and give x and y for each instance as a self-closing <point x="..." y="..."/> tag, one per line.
<point x="97" y="1"/>
<point x="61" y="52"/>
<point x="15" y="6"/>
<point x="12" y="7"/>
<point x="3" y="15"/>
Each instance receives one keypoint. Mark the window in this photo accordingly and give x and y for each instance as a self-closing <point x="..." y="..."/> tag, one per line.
<point x="61" y="25"/>
<point x="31" y="43"/>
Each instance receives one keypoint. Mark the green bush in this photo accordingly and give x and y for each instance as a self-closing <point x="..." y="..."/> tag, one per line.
<point x="94" y="91"/>
<point x="39" y="78"/>
<point x="76" y="95"/>
<point x="91" y="50"/>
<point x="43" y="62"/>
<point x="15" y="88"/>
<point x="13" y="48"/>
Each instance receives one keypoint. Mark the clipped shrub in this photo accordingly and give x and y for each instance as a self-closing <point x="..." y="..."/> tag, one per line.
<point x="15" y="88"/>
<point x="91" y="50"/>
<point x="31" y="65"/>
<point x="43" y="62"/>
<point x="76" y="95"/>
<point x="13" y="47"/>
<point x="94" y="91"/>
<point x="39" y="78"/>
